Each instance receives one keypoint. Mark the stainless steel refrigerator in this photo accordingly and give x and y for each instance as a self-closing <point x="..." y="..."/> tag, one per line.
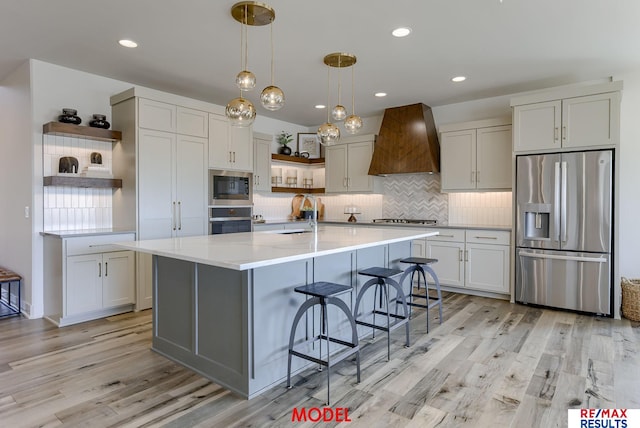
<point x="564" y="230"/>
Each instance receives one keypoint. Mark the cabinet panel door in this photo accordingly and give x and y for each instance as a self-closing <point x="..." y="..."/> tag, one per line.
<point x="219" y="153"/>
<point x="591" y="121"/>
<point x="336" y="168"/>
<point x="191" y="186"/>
<point x="193" y="122"/>
<point x="241" y="146"/>
<point x="487" y="267"/>
<point x="359" y="158"/>
<point x="155" y="184"/>
<point x="493" y="158"/>
<point x="261" y="165"/>
<point x="458" y="160"/>
<point x="84" y="284"/>
<point x="419" y="248"/>
<point x="537" y="126"/>
<point x="156" y="115"/>
<point x="118" y="285"/>
<point x="450" y="267"/>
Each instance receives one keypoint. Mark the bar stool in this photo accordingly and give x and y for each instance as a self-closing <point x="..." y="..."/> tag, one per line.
<point x="323" y="294"/>
<point x="420" y="265"/>
<point x="382" y="278"/>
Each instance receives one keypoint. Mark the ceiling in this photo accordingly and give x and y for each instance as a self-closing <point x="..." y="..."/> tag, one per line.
<point x="192" y="48"/>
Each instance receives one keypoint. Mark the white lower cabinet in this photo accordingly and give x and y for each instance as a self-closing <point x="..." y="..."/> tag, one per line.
<point x="88" y="278"/>
<point x="473" y="259"/>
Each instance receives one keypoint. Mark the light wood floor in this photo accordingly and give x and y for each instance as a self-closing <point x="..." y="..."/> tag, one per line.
<point x="490" y="364"/>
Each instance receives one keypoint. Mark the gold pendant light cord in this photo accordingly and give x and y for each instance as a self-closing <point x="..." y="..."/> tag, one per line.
<point x="272" y="66"/>
<point x="246" y="38"/>
<point x="353" y="97"/>
<point x="339" y="80"/>
<point x="328" y="86"/>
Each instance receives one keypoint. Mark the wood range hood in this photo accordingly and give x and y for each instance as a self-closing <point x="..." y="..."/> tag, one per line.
<point x="407" y="142"/>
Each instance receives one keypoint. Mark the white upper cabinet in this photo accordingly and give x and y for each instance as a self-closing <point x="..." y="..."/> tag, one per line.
<point x="476" y="156"/>
<point x="157" y="115"/>
<point x="193" y="122"/>
<point x="567" y="122"/>
<point x="347" y="166"/>
<point x="230" y="147"/>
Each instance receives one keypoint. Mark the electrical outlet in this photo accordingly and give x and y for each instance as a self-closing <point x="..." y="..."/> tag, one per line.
<point x="26" y="212"/>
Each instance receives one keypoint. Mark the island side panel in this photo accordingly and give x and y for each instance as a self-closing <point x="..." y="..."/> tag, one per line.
<point x="274" y="304"/>
<point x="200" y="320"/>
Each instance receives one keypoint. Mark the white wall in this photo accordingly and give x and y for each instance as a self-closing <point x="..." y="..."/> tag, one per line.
<point x="16" y="176"/>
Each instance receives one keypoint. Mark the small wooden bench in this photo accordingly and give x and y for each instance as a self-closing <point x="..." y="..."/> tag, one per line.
<point x="8" y="308"/>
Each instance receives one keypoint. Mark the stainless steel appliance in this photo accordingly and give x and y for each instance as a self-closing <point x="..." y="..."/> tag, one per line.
<point x="564" y="230"/>
<point x="230" y="219"/>
<point x="230" y="188"/>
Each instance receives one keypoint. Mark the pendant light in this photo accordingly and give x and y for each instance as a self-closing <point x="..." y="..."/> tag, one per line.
<point x="272" y="97"/>
<point x="353" y="122"/>
<point x="240" y="111"/>
<point x="328" y="133"/>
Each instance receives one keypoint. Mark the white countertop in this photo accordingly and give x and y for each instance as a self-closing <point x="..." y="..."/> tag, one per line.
<point x="242" y="251"/>
<point x="86" y="232"/>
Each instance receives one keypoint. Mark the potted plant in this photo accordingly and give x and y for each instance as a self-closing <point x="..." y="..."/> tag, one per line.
<point x="284" y="138"/>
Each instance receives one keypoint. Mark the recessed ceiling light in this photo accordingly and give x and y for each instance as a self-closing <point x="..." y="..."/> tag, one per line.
<point x="401" y="32"/>
<point x="458" y="79"/>
<point x="128" y="43"/>
<point x="380" y="94"/>
<point x="319" y="106"/>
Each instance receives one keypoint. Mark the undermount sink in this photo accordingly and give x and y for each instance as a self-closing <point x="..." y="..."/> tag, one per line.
<point x="290" y="231"/>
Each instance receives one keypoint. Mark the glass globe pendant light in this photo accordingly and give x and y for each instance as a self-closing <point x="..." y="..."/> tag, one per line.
<point x="353" y="122"/>
<point x="328" y="133"/>
<point x="240" y="112"/>
<point x="272" y="97"/>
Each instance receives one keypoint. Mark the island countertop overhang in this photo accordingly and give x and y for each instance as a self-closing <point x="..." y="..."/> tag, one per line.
<point x="243" y="251"/>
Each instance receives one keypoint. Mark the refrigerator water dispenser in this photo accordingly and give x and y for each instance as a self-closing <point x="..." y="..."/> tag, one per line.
<point x="536" y="225"/>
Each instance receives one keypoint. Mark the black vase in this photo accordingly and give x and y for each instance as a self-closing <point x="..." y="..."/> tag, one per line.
<point x="99" y="122"/>
<point x="69" y="115"/>
<point x="284" y="150"/>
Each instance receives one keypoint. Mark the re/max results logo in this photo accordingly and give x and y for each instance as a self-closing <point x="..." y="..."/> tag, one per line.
<point x="603" y="418"/>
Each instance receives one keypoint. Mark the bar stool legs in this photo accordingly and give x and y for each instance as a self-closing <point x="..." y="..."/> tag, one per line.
<point x="382" y="280"/>
<point x="420" y="266"/>
<point x="324" y="295"/>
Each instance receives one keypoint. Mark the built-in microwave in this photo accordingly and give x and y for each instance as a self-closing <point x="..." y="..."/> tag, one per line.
<point x="230" y="188"/>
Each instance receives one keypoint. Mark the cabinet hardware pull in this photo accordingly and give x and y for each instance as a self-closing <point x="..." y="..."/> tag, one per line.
<point x="486" y="237"/>
<point x="234" y="157"/>
<point x="564" y="133"/>
<point x="229" y="157"/>
<point x="173" y="220"/>
<point x="99" y="270"/>
<point x="106" y="269"/>
<point x="477" y="176"/>
<point x="466" y="255"/>
<point x="446" y="236"/>
<point x="555" y="133"/>
<point x="179" y="215"/>
<point x="460" y="253"/>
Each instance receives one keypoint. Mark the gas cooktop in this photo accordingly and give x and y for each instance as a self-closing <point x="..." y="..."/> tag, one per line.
<point x="404" y="221"/>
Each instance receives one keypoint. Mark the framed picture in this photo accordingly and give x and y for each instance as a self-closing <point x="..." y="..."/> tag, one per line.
<point x="309" y="143"/>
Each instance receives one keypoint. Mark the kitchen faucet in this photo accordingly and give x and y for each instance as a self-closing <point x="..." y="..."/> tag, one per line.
<point x="313" y="221"/>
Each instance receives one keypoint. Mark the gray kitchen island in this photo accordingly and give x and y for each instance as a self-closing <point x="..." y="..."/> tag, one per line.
<point x="223" y="305"/>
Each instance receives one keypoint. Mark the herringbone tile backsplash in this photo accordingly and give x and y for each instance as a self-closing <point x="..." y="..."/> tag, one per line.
<point x="415" y="196"/>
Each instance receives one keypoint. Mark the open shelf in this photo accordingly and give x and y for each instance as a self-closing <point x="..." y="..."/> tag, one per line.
<point x="57" y="180"/>
<point x="296" y="190"/>
<point x="294" y="159"/>
<point x="69" y="130"/>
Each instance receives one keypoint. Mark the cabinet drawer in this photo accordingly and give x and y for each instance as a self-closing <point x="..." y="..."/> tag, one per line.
<point x="95" y="244"/>
<point x="496" y="237"/>
<point x="453" y="235"/>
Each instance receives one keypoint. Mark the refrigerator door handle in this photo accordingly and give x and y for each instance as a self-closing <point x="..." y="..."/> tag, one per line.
<point x="556" y="203"/>
<point x="563" y="206"/>
<point x="559" y="257"/>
